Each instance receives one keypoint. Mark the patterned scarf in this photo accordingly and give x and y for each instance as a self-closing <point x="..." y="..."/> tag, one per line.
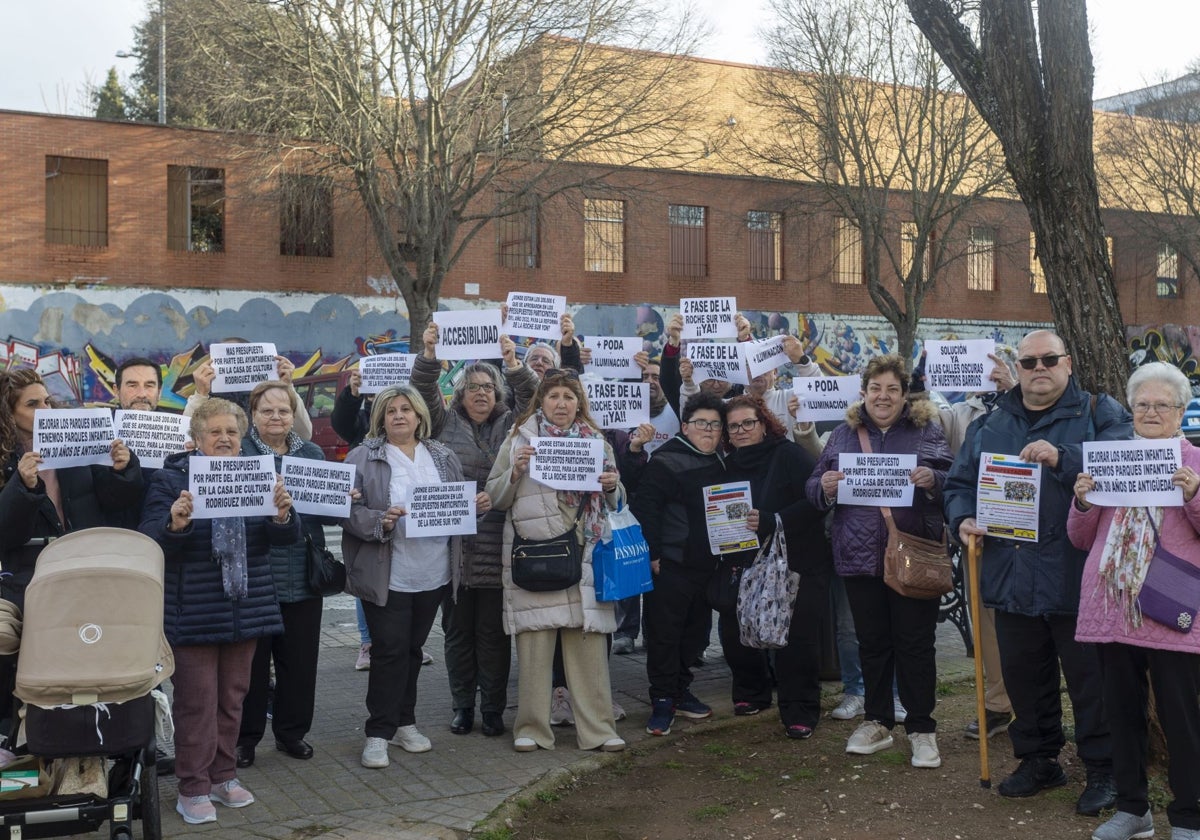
<point x="294" y="443"/>
<point x="1128" y="549"/>
<point x="229" y="549"/>
<point x="593" y="510"/>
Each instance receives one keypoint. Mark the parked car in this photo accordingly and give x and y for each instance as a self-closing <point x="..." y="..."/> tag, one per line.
<point x="318" y="394"/>
<point x="1191" y="421"/>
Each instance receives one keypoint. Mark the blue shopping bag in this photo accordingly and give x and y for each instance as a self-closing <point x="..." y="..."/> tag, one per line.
<point x="621" y="565"/>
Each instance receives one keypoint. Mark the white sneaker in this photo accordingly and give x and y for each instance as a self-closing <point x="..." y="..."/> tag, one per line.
<point x="374" y="754"/>
<point x="925" y="750"/>
<point x="363" y="663"/>
<point x="869" y="738"/>
<point x="618" y="711"/>
<point x="524" y="744"/>
<point x="613" y="745"/>
<point x="410" y="740"/>
<point x="426" y="658"/>
<point x="899" y="713"/>
<point x="561" y="713"/>
<point x="850" y="707"/>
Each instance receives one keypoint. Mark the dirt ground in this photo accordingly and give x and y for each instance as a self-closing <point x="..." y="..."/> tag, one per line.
<point x="740" y="778"/>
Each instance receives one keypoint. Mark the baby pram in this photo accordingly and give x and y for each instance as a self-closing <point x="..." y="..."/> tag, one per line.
<point x="92" y="649"/>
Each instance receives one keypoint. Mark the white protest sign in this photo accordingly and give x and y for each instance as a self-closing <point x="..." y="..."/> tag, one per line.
<point x="320" y="488"/>
<point x="764" y="356"/>
<point x="961" y="366"/>
<point x="153" y="435"/>
<point x="717" y="360"/>
<point x="384" y="370"/>
<point x="239" y="367"/>
<point x="468" y="334"/>
<point x="537" y="316"/>
<point x="440" y="510"/>
<point x="825" y="397"/>
<point x="619" y="405"/>
<point x="73" y="437"/>
<point x="567" y="463"/>
<point x="666" y="426"/>
<point x="708" y="317"/>
<point x="242" y="486"/>
<point x="612" y="358"/>
<point x="875" y="480"/>
<point x="1133" y="473"/>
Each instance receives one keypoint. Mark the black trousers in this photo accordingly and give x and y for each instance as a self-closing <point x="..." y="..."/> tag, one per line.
<point x="478" y="651"/>
<point x="749" y="670"/>
<point x="398" y="630"/>
<point x="1031" y="650"/>
<point x="295" y="655"/>
<point x="676" y="620"/>
<point x="1175" y="677"/>
<point x="798" y="666"/>
<point x="895" y="643"/>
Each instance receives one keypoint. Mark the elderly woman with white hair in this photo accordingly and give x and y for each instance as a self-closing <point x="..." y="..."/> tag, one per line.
<point x="1141" y="559"/>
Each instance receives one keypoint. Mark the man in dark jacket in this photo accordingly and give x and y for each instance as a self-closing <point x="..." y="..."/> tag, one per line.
<point x="351" y="415"/>
<point x="670" y="507"/>
<point x="1034" y="587"/>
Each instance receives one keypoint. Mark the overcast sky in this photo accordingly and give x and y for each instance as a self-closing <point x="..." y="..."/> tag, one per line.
<point x="50" y="50"/>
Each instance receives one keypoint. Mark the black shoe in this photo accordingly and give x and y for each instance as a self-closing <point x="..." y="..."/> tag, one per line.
<point x="244" y="755"/>
<point x="1099" y="793"/>
<point x="464" y="721"/>
<point x="1033" y="775"/>
<point x="164" y="764"/>
<point x="493" y="724"/>
<point x="296" y="749"/>
<point x="997" y="722"/>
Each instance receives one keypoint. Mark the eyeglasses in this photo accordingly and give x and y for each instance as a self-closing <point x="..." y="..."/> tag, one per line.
<point x="1157" y="408"/>
<point x="560" y="372"/>
<point x="744" y="426"/>
<point x="274" y="412"/>
<point x="1049" y="360"/>
<point x="706" y="425"/>
<point x="481" y="386"/>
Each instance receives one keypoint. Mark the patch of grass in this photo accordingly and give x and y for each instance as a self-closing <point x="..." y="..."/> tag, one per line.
<point x="946" y="689"/>
<point x="499" y="833"/>
<point x="1159" y="792"/>
<point x="1066" y="794"/>
<point x="737" y="774"/>
<point x="712" y="812"/>
<point x="720" y="750"/>
<point x="672" y="764"/>
<point x="548" y="796"/>
<point x="523" y="804"/>
<point x="804" y="774"/>
<point x="893" y="758"/>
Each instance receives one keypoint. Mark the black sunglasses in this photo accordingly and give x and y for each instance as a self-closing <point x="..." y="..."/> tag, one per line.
<point x="1049" y="360"/>
<point x="561" y="372"/>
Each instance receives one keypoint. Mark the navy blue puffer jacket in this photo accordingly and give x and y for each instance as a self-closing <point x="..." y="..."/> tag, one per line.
<point x="196" y="609"/>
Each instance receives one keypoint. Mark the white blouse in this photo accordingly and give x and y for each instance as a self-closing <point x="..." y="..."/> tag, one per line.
<point x="419" y="564"/>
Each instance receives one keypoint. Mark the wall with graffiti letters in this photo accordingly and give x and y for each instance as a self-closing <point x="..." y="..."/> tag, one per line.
<point x="77" y="338"/>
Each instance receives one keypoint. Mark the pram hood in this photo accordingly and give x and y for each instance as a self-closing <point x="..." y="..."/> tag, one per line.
<point x="93" y="623"/>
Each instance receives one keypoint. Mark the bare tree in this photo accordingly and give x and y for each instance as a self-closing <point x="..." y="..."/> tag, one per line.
<point x="1152" y="166"/>
<point x="1028" y="68"/>
<point x="862" y="107"/>
<point x="445" y="115"/>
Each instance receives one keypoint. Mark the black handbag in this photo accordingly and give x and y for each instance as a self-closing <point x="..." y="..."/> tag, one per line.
<point x="549" y="565"/>
<point x="722" y="589"/>
<point x="326" y="574"/>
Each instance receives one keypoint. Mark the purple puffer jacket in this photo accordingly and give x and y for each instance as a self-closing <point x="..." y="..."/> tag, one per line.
<point x="1100" y="618"/>
<point x="859" y="533"/>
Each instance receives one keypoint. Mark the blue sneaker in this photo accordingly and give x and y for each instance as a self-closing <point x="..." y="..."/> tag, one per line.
<point x="691" y="707"/>
<point x="662" y="715"/>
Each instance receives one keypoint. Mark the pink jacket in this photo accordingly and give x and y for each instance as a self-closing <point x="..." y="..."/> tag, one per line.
<point x="1103" y="622"/>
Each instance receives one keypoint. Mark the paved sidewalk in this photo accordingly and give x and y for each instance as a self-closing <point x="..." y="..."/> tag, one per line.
<point x="443" y="793"/>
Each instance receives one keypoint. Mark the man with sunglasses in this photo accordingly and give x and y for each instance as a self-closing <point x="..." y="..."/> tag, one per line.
<point x="1034" y="587"/>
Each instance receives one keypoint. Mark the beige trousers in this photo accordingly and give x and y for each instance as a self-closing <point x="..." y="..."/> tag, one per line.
<point x="995" y="698"/>
<point x="585" y="661"/>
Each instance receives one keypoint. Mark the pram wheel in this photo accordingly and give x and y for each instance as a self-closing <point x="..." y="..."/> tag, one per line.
<point x="148" y="795"/>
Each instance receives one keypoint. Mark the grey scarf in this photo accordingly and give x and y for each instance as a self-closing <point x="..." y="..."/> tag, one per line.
<point x="229" y="549"/>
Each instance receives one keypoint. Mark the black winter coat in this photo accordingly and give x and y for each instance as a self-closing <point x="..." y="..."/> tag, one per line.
<point x="196" y="609"/>
<point x="91" y="497"/>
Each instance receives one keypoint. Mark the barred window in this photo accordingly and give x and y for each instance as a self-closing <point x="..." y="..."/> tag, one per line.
<point x="1167" y="274"/>
<point x="517" y="233"/>
<point x="981" y="259"/>
<point x="306" y="216"/>
<point x="603" y="235"/>
<point x="765" y="229"/>
<point x="847" y="252"/>
<point x="195" y="209"/>
<point x="689" y="241"/>
<point x="76" y="201"/>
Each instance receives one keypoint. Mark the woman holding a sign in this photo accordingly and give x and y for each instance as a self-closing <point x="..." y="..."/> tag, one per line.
<point x="220" y="595"/>
<point x="400" y="578"/>
<point x="895" y="632"/>
<point x="777" y="470"/>
<point x="273" y="409"/>
<point x="474" y="426"/>
<point x="542" y="596"/>
<point x="1138" y="602"/>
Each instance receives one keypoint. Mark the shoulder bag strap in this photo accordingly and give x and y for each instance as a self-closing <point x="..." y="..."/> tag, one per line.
<point x="864" y="443"/>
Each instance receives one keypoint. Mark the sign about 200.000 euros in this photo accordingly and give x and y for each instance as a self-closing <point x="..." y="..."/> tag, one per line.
<point x="440" y="510"/>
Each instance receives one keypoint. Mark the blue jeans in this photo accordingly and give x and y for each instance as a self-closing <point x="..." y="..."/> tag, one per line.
<point x="847" y="640"/>
<point x="364" y="634"/>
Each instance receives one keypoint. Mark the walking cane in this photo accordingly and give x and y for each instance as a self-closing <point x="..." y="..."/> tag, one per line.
<point x="985" y="779"/>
